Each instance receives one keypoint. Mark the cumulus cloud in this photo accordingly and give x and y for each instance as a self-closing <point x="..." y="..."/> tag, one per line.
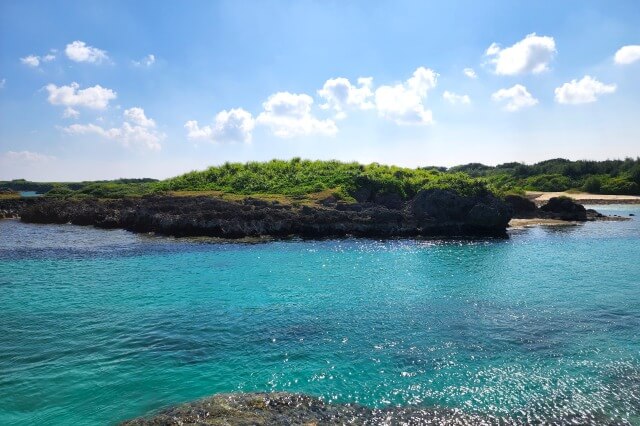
<point x="582" y="91"/>
<point x="469" y="72"/>
<point x="194" y="131"/>
<point x="27" y="157"/>
<point x="627" y="54"/>
<point x="137" y="116"/>
<point x="31" y="61"/>
<point x="70" y="113"/>
<point x="234" y="125"/>
<point x="136" y="130"/>
<point x="289" y="114"/>
<point x="78" y="51"/>
<point x="454" y="99"/>
<point x="403" y="103"/>
<point x="147" y="61"/>
<point x="339" y="94"/>
<point x="96" y="97"/>
<point x="530" y="55"/>
<point x="34" y="61"/>
<point x="517" y="97"/>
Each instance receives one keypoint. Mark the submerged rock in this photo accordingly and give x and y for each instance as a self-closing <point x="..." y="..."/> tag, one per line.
<point x="281" y="408"/>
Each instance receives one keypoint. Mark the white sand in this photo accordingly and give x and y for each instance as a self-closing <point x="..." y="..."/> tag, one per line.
<point x="584" y="197"/>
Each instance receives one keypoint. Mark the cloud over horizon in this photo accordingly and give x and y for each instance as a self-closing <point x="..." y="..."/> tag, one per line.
<point x="136" y="130"/>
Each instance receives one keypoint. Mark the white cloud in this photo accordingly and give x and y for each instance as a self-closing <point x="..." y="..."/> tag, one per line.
<point x="3" y="83"/>
<point x="517" y="97"/>
<point x="194" y="131"/>
<point x="454" y="99"/>
<point x="34" y="61"/>
<point x="403" y="103"/>
<point x="234" y="125"/>
<point x="339" y="94"/>
<point x="582" y="91"/>
<point x="78" y="51"/>
<point x="31" y="61"/>
<point x="70" y="113"/>
<point x="140" y="133"/>
<point x="627" y="54"/>
<point x="96" y="97"/>
<point x="136" y="115"/>
<point x="530" y="55"/>
<point x="469" y="72"/>
<point x="27" y="156"/>
<point x="289" y="115"/>
<point x="147" y="61"/>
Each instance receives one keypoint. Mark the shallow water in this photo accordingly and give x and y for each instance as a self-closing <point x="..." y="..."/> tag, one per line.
<point x="98" y="326"/>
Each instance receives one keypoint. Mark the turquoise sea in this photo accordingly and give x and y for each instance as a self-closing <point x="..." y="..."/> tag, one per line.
<point x="97" y="326"/>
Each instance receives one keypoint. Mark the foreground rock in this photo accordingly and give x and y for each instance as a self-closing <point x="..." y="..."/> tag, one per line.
<point x="294" y="409"/>
<point x="282" y="408"/>
<point x="430" y="213"/>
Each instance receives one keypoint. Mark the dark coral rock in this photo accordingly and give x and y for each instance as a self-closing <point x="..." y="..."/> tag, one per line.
<point x="431" y="213"/>
<point x="522" y="207"/>
<point x="564" y="208"/>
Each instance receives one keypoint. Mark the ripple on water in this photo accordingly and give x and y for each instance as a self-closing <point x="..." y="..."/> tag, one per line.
<point x="98" y="326"/>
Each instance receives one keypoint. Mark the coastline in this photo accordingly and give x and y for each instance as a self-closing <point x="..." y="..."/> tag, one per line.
<point x="431" y="213"/>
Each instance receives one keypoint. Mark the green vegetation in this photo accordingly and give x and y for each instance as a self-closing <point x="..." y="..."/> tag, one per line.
<point x="621" y="177"/>
<point x="297" y="178"/>
<point x="315" y="180"/>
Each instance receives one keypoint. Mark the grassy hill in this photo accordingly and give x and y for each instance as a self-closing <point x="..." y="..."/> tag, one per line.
<point x="300" y="179"/>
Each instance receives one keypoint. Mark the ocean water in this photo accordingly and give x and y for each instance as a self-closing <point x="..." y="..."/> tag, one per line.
<point x="98" y="326"/>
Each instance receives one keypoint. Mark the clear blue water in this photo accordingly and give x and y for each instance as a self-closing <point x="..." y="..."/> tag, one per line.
<point x="98" y="326"/>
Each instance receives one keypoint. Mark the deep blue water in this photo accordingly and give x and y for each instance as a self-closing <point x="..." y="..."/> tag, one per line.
<point x="98" y="326"/>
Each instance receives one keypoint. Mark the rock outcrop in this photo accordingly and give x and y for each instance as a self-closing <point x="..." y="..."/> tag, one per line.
<point x="522" y="207"/>
<point x="430" y="213"/>
<point x="557" y="208"/>
<point x="564" y="208"/>
<point x="10" y="208"/>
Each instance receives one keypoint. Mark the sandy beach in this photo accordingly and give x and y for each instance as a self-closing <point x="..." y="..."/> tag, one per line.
<point x="584" y="197"/>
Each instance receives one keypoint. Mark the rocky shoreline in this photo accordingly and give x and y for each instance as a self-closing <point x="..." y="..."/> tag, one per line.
<point x="431" y="213"/>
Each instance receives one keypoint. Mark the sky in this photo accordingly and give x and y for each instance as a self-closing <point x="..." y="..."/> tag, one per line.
<point x="110" y="89"/>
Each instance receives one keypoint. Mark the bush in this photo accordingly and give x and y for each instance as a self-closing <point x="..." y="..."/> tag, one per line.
<point x="592" y="184"/>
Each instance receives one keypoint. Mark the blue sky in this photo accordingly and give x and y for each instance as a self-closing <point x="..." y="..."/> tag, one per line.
<point x="108" y="89"/>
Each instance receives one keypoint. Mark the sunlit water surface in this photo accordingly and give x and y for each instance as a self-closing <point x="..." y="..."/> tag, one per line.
<point x="99" y="326"/>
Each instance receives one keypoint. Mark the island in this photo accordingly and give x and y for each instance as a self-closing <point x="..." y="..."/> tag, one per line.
<point x="312" y="199"/>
